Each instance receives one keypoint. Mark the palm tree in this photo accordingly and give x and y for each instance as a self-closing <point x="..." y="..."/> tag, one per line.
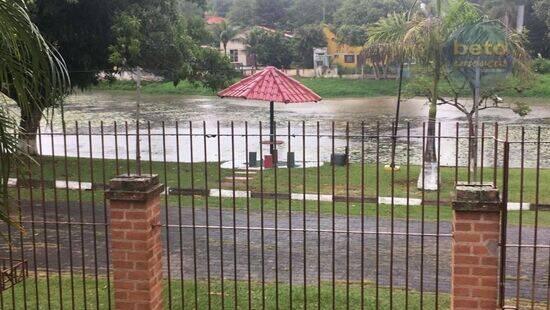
<point x="32" y="74"/>
<point x="226" y="33"/>
<point x="423" y="38"/>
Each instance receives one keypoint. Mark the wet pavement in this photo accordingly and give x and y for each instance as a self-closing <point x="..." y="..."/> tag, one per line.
<point x="330" y="252"/>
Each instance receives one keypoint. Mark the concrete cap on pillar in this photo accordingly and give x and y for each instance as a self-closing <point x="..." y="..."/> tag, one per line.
<point x="134" y="187"/>
<point x="474" y="196"/>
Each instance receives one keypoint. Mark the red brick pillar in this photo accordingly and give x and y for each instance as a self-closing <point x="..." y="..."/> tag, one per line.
<point x="475" y="247"/>
<point x="136" y="249"/>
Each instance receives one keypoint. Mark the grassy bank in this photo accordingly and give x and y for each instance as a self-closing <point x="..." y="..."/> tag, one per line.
<point x="157" y="88"/>
<point x="59" y="295"/>
<point x="326" y="88"/>
<point x="345" y="182"/>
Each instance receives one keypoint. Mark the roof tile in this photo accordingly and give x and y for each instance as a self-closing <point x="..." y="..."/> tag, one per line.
<point x="270" y="84"/>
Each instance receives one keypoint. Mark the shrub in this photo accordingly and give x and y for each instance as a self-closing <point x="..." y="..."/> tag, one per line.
<point x="541" y="65"/>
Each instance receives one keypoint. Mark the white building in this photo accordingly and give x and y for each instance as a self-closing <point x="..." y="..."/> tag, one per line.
<point x="237" y="50"/>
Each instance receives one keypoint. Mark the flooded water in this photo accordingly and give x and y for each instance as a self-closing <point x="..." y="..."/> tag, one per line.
<point x="375" y="115"/>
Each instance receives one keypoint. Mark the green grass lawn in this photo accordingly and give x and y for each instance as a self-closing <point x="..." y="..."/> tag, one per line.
<point x="85" y="294"/>
<point x="179" y="176"/>
<point x="341" y="88"/>
<point x="326" y="88"/>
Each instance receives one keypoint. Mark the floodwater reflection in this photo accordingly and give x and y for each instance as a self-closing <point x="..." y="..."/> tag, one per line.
<point x="366" y="119"/>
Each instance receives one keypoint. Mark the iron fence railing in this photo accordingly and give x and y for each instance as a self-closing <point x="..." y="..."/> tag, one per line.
<point x="304" y="233"/>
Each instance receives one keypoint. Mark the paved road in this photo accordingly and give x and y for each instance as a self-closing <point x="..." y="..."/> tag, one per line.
<point x="423" y="262"/>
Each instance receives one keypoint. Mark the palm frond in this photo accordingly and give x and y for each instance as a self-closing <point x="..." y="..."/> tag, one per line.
<point x="32" y="73"/>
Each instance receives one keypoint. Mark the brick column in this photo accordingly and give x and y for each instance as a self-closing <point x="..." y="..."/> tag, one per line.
<point x="136" y="249"/>
<point x="475" y="250"/>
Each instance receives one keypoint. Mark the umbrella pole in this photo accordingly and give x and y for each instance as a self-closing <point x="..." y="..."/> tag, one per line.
<point x="272" y="128"/>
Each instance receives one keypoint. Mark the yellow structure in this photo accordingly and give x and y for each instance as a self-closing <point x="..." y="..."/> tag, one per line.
<point x="341" y="54"/>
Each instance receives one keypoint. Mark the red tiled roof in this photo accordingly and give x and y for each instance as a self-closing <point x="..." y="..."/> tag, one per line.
<point x="212" y="20"/>
<point x="270" y="84"/>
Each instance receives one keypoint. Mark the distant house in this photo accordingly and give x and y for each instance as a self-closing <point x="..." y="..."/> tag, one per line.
<point x="340" y="54"/>
<point x="214" y="20"/>
<point x="237" y="50"/>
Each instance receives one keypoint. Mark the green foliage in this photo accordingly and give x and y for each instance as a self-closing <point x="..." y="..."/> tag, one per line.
<point x="542" y="9"/>
<point x="541" y="65"/>
<point x="270" y="48"/>
<point x="158" y="29"/>
<point x="32" y="74"/>
<point x="352" y="35"/>
<point x="243" y="13"/>
<point x="210" y="69"/>
<point x="196" y="28"/>
<point x="156" y="35"/>
<point x="127" y="48"/>
<point x="271" y="12"/>
<point x="85" y="46"/>
<point x="221" y="7"/>
<point x="365" y="12"/>
<point x="308" y="37"/>
<point x="303" y="12"/>
<point x="538" y="32"/>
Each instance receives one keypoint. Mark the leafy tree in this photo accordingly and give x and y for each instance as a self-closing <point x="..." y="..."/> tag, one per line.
<point x="352" y="35"/>
<point x="158" y="35"/>
<point x="270" y="48"/>
<point x="211" y="70"/>
<point x="308" y="37"/>
<point x="538" y="24"/>
<point x="32" y="74"/>
<point x="271" y="13"/>
<point x="364" y="12"/>
<point x="221" y="7"/>
<point x="538" y="32"/>
<point x="157" y="27"/>
<point x="304" y="12"/>
<point x="542" y="9"/>
<point x="191" y="15"/>
<point x="243" y="13"/>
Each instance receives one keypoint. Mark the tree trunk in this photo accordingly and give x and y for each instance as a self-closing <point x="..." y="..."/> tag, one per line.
<point x="385" y="70"/>
<point x="375" y="69"/>
<point x="30" y="121"/>
<point x="428" y="178"/>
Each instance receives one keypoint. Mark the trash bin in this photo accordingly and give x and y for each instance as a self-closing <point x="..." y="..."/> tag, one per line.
<point x="339" y="159"/>
<point x="290" y="160"/>
<point x="268" y="161"/>
<point x="252" y="159"/>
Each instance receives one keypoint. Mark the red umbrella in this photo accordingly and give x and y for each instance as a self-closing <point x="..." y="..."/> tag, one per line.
<point x="272" y="85"/>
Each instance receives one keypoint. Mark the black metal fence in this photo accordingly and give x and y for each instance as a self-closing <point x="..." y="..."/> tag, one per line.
<point x="304" y="233"/>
